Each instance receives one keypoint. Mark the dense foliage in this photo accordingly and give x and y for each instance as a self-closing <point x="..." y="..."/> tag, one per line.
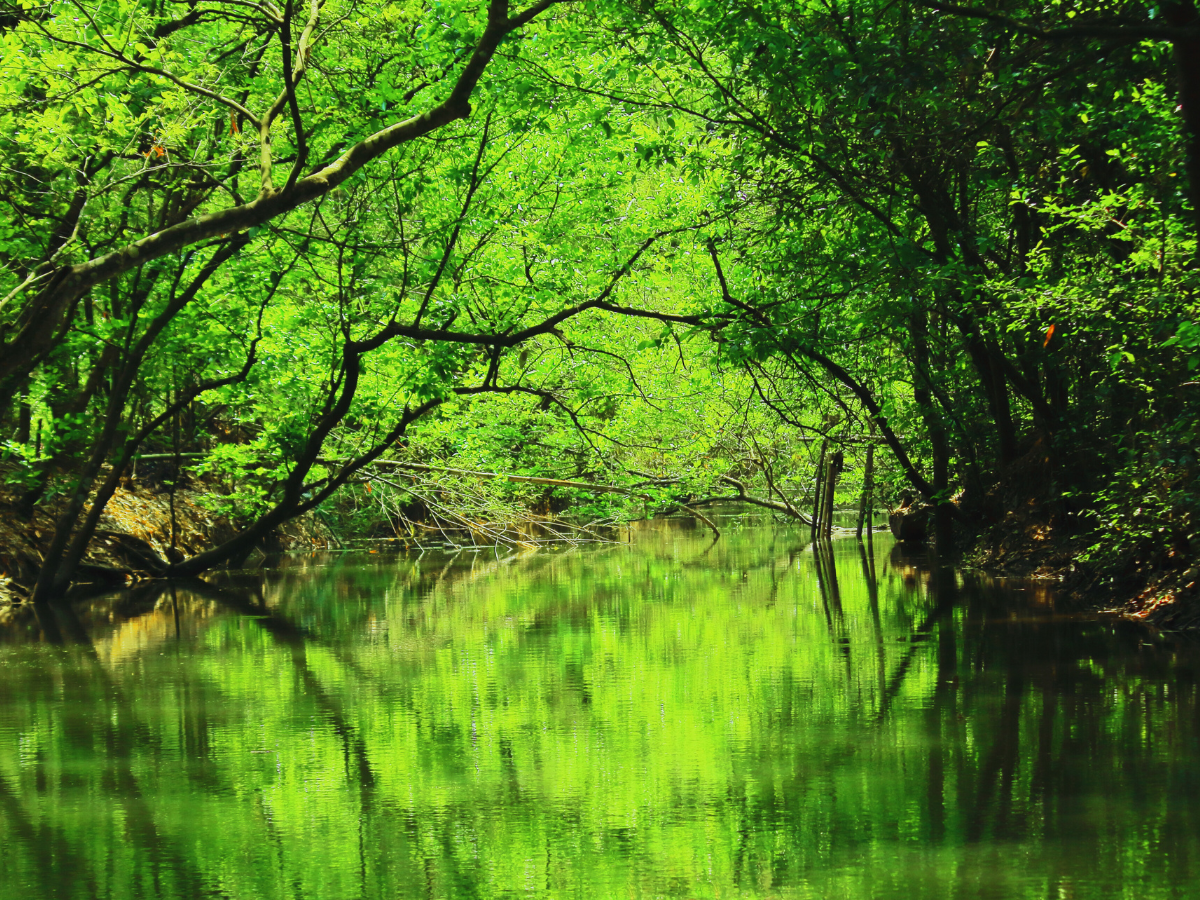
<point x="682" y="250"/>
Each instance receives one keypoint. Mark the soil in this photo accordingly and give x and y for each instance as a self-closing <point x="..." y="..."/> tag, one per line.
<point x="1032" y="542"/>
<point x="1030" y="530"/>
<point x="136" y="526"/>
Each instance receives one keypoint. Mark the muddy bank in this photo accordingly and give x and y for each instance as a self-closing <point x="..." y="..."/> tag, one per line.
<point x="139" y="529"/>
<point x="1159" y="586"/>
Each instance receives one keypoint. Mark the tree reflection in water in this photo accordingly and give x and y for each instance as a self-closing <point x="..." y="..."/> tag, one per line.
<point x="755" y="718"/>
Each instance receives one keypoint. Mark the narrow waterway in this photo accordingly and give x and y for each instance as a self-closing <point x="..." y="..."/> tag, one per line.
<point x="667" y="718"/>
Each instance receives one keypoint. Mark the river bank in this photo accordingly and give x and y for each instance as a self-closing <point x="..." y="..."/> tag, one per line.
<point x="140" y="530"/>
<point x="1159" y="587"/>
<point x="142" y="527"/>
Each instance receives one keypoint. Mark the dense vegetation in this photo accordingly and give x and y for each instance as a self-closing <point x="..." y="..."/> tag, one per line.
<point x="679" y="250"/>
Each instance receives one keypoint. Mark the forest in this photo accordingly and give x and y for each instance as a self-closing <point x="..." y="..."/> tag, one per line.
<point x="517" y="273"/>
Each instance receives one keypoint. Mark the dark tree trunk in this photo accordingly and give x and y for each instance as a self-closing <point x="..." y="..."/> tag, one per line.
<point x="867" y="502"/>
<point x="817" y="483"/>
<point x="942" y="510"/>
<point x="989" y="366"/>
<point x="24" y="415"/>
<point x="1000" y="406"/>
<point x="832" y="469"/>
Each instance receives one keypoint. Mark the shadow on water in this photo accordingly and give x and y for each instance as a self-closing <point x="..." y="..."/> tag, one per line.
<point x="62" y="868"/>
<point x="756" y="717"/>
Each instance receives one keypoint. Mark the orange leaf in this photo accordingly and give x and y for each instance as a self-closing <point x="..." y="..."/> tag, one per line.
<point x="1049" y="334"/>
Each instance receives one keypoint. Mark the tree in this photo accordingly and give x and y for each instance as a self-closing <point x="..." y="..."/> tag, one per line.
<point x="967" y="225"/>
<point x="149" y="151"/>
<point x="335" y="308"/>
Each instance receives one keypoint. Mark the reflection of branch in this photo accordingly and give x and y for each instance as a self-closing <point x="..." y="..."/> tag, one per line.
<point x="294" y="638"/>
<point x="943" y="606"/>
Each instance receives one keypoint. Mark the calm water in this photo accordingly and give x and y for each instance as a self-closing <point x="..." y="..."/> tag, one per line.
<point x="666" y="719"/>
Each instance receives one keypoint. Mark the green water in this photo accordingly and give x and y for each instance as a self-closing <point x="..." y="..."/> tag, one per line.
<point x="664" y="719"/>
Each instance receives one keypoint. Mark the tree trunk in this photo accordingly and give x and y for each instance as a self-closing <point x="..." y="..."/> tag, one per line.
<point x="867" y="503"/>
<point x="24" y="416"/>
<point x="942" y="510"/>
<point x="987" y="359"/>
<point x="817" y="481"/>
<point x="832" y="470"/>
<point x="1000" y="405"/>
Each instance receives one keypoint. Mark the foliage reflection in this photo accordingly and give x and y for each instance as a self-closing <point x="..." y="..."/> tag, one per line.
<point x="753" y="718"/>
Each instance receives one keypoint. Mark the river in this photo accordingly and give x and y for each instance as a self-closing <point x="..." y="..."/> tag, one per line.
<point x="670" y="717"/>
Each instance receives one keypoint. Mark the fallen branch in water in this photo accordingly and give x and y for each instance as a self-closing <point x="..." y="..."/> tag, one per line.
<point x="481" y="516"/>
<point x="519" y="479"/>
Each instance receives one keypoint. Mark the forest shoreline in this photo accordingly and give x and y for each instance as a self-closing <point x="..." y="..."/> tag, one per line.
<point x="137" y="531"/>
<point x="556" y="260"/>
<point x="141" y="528"/>
<point x="1165" y="595"/>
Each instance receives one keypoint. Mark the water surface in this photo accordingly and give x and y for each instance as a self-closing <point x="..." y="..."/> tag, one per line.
<point x="671" y="718"/>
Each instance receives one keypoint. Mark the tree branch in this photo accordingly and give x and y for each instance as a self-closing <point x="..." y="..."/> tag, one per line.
<point x="1121" y="32"/>
<point x="41" y="319"/>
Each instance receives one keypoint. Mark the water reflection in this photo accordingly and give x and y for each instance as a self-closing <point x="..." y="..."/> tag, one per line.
<point x="755" y="718"/>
